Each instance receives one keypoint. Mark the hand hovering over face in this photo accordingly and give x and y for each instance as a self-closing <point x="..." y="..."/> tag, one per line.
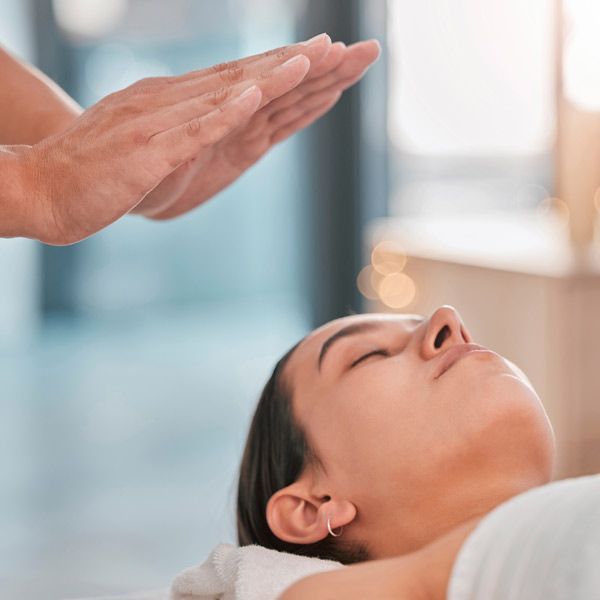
<point x="159" y="147"/>
<point x="202" y="177"/>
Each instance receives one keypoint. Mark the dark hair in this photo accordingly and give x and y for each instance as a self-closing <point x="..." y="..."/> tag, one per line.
<point x="275" y="455"/>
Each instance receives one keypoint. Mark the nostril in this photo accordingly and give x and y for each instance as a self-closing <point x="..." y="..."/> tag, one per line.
<point x="441" y="337"/>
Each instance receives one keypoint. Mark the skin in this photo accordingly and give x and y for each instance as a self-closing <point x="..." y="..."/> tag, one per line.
<point x="419" y="575"/>
<point x="160" y="147"/>
<point x="408" y="463"/>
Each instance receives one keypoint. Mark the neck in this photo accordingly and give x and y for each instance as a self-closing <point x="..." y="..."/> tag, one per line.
<point x="434" y="561"/>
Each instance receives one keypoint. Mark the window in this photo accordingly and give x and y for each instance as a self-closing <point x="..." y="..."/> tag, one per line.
<point x="471" y="104"/>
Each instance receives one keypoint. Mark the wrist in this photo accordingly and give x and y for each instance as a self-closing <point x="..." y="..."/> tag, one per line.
<point x="24" y="201"/>
<point x="15" y="195"/>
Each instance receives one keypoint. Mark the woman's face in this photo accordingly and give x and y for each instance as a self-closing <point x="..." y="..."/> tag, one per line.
<point x="416" y="427"/>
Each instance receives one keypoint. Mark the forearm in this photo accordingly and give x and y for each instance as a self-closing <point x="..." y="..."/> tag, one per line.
<point x="32" y="107"/>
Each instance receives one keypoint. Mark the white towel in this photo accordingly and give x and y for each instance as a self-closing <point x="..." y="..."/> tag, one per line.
<point x="543" y="544"/>
<point x="232" y="573"/>
<point x="246" y="573"/>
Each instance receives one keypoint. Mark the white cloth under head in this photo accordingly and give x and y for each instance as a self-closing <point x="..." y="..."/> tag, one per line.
<point x="232" y="573"/>
<point x="543" y="544"/>
<point x="246" y="573"/>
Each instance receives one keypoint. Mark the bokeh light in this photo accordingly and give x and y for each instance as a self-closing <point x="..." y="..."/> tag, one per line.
<point x="89" y="18"/>
<point x="555" y="208"/>
<point x="388" y="257"/>
<point x="364" y="283"/>
<point x="384" y="279"/>
<point x="397" y="290"/>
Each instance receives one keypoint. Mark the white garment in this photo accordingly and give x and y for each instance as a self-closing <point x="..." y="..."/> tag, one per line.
<point x="543" y="544"/>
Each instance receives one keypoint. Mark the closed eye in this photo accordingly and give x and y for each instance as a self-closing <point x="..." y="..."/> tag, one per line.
<point x="368" y="355"/>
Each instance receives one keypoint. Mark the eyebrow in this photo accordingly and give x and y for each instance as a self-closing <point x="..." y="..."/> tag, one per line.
<point x="342" y="333"/>
<point x="352" y="330"/>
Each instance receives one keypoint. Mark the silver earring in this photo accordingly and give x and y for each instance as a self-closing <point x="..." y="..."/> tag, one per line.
<point x="331" y="530"/>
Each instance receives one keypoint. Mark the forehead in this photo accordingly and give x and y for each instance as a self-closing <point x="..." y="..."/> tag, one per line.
<point x="309" y="349"/>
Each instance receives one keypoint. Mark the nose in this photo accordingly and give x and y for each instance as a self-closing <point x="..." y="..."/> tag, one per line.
<point x="444" y="329"/>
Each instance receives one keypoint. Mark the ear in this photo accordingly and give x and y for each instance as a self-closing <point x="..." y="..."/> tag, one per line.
<point x="296" y="515"/>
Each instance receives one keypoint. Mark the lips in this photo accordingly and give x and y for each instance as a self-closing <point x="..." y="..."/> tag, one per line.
<point x="454" y="354"/>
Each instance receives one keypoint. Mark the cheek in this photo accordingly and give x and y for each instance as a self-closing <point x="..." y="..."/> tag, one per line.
<point x="376" y="428"/>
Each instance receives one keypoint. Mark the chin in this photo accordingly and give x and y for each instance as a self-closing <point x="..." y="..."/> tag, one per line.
<point x="519" y="373"/>
<point x="515" y="429"/>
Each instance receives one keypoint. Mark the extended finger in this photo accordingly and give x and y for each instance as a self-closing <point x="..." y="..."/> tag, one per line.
<point x="297" y="95"/>
<point x="305" y="120"/>
<point x="174" y="146"/>
<point x="346" y="66"/>
<point x="295" y="116"/>
<point x="173" y="90"/>
<point x="314" y="48"/>
<point x="295" y="111"/>
<point x="331" y="60"/>
<point x="307" y="100"/>
<point x="272" y="84"/>
<point x="357" y="60"/>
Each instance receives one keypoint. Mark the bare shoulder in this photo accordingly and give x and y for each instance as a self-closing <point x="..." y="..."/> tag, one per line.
<point x="384" y="579"/>
<point x="420" y="575"/>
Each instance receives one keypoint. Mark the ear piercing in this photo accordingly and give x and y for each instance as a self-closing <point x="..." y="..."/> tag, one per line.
<point x="331" y="530"/>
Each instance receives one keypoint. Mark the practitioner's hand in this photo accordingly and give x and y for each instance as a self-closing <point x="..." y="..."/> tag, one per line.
<point x="218" y="165"/>
<point x="78" y="181"/>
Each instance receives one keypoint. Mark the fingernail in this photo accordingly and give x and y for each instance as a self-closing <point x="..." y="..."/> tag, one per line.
<point x="249" y="91"/>
<point x="314" y="40"/>
<point x="294" y="60"/>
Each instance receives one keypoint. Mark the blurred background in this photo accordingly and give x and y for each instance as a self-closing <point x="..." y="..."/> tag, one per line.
<point x="463" y="169"/>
